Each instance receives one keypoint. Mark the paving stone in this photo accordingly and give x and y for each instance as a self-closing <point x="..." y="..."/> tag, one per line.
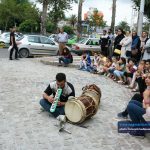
<point x="23" y="126"/>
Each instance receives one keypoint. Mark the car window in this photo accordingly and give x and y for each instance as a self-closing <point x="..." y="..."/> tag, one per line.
<point x="45" y="40"/>
<point x="82" y="41"/>
<point x="34" y="39"/>
<point x="93" y="42"/>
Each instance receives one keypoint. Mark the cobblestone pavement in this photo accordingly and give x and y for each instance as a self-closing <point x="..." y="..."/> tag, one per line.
<point x="24" y="127"/>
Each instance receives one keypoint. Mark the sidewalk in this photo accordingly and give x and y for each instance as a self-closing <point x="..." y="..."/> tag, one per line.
<point x="23" y="126"/>
<point x="53" y="60"/>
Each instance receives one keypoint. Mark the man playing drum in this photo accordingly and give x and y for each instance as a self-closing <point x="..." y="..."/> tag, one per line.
<point x="49" y="94"/>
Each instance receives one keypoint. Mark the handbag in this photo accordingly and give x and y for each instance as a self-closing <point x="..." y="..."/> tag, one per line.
<point x="117" y="51"/>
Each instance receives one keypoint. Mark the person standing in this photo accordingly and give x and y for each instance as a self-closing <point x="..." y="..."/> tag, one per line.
<point x="111" y="39"/>
<point x="136" y="47"/>
<point x="126" y="45"/>
<point x="104" y="42"/>
<point x="146" y="50"/>
<point x="144" y="38"/>
<point x="13" y="44"/>
<point x="118" y="38"/>
<point x="62" y="40"/>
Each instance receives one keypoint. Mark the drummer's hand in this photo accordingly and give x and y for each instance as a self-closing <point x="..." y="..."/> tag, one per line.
<point x="51" y="99"/>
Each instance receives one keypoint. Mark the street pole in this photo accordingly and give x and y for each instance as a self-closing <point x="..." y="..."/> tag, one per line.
<point x="141" y="15"/>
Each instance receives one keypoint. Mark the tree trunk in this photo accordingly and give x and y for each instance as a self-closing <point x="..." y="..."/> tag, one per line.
<point x="43" y="17"/>
<point x="113" y="16"/>
<point x="55" y="16"/>
<point x="79" y="24"/>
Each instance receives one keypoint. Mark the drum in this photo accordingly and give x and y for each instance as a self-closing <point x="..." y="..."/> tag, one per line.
<point x="94" y="95"/>
<point x="92" y="87"/>
<point x="79" y="109"/>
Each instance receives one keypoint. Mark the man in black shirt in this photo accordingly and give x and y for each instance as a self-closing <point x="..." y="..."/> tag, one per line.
<point x="104" y="42"/>
<point x="13" y="44"/>
<point x="49" y="94"/>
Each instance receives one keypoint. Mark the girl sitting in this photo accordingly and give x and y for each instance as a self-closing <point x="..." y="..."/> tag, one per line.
<point x="85" y="61"/>
<point x="119" y="70"/>
<point x="130" y="69"/>
<point x="106" y="66"/>
<point x="66" y="57"/>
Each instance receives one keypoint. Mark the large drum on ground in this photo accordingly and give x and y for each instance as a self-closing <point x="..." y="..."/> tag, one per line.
<point x="79" y="109"/>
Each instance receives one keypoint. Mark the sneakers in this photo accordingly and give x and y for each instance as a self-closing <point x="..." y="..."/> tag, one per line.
<point x="120" y="115"/>
<point x="10" y="59"/>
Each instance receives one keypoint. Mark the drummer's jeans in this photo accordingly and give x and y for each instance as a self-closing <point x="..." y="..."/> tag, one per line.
<point x="46" y="105"/>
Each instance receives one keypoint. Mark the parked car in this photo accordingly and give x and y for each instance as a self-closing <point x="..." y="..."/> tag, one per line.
<point x="53" y="37"/>
<point x="37" y="45"/>
<point x="90" y="45"/>
<point x="5" y="38"/>
<point x="72" y="40"/>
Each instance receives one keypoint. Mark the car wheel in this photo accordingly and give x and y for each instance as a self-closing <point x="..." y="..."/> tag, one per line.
<point x="24" y="53"/>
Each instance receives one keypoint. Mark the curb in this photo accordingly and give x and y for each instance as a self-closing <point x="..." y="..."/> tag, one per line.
<point x="55" y="63"/>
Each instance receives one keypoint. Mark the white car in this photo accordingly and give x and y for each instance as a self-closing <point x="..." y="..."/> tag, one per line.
<point x="89" y="45"/>
<point x="37" y="45"/>
<point x="5" y="38"/>
<point x="53" y="37"/>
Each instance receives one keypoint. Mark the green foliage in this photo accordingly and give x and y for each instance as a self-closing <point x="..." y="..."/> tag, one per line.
<point x="124" y="25"/>
<point x="50" y="27"/>
<point x="58" y="8"/>
<point x="29" y="26"/>
<point x="15" y="12"/>
<point x="145" y="26"/>
<point x="68" y="29"/>
<point x="73" y="20"/>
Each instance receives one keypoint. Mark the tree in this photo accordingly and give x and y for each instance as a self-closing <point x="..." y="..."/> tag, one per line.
<point x="123" y="25"/>
<point x="14" y="12"/>
<point x="113" y="15"/>
<point x="79" y="25"/>
<point x="146" y="8"/>
<point x="96" y="19"/>
<point x="73" y="20"/>
<point x="57" y="8"/>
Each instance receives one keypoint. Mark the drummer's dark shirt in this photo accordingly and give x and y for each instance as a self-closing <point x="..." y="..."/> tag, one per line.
<point x="68" y="90"/>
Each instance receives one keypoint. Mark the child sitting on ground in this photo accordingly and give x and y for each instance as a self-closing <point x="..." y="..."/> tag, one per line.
<point x="119" y="70"/>
<point x="130" y="69"/>
<point x="66" y="57"/>
<point x="96" y="59"/>
<point x="111" y="69"/>
<point x="85" y="61"/>
<point x="139" y="72"/>
<point x="106" y="66"/>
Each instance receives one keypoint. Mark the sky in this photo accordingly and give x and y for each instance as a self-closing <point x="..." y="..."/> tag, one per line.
<point x="123" y="10"/>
